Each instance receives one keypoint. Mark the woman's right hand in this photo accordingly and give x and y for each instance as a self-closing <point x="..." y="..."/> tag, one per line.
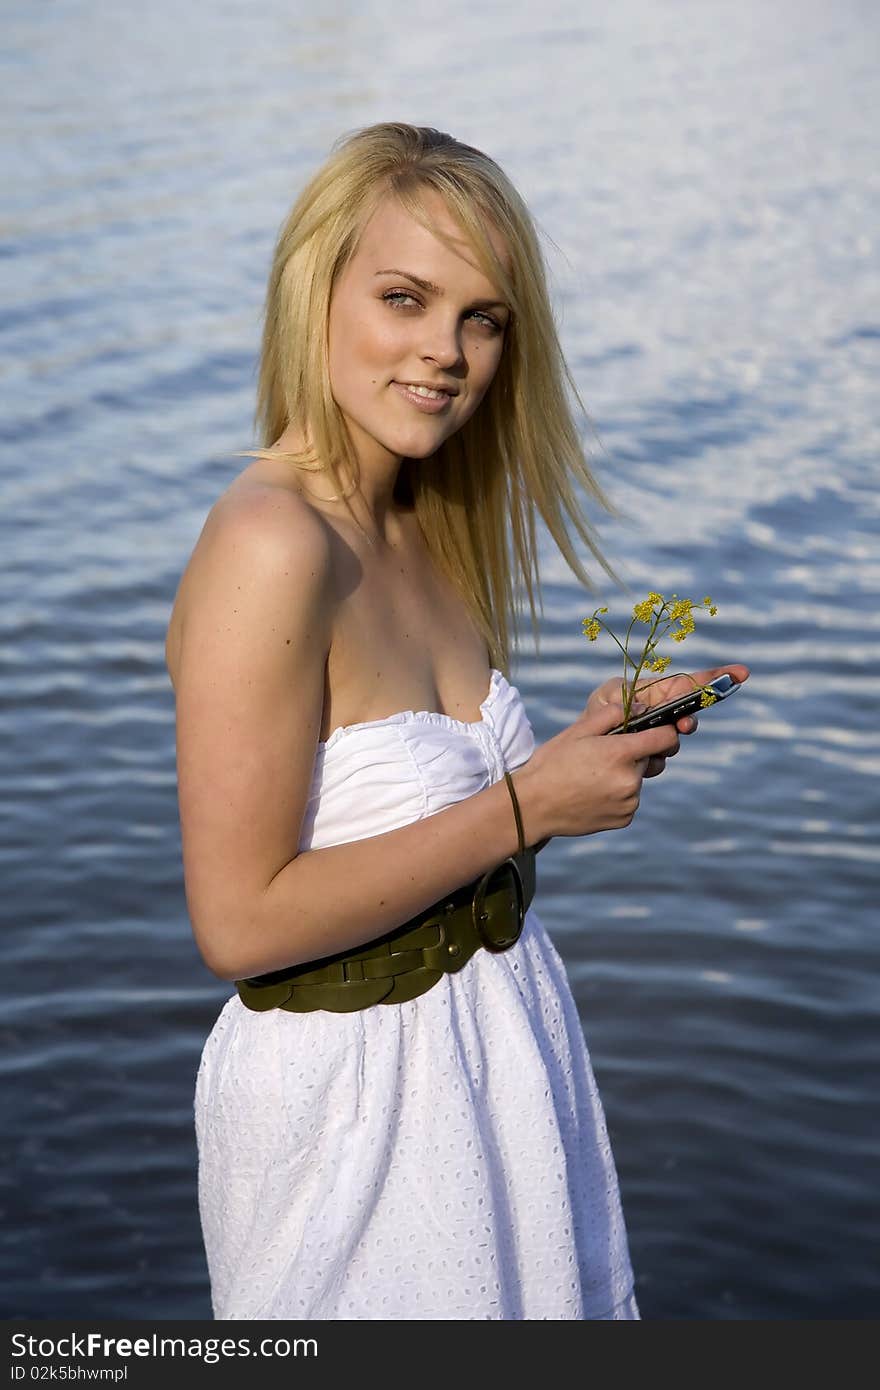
<point x="581" y="781"/>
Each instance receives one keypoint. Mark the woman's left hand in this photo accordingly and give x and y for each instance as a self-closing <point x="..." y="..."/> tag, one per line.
<point x="657" y="690"/>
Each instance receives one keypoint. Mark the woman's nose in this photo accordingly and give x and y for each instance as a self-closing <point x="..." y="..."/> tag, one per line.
<point x="442" y="343"/>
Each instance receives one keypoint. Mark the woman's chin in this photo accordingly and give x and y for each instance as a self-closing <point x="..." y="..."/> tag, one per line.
<point x="420" y="446"/>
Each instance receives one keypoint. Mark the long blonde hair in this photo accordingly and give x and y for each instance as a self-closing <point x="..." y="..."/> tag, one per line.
<point x="519" y="454"/>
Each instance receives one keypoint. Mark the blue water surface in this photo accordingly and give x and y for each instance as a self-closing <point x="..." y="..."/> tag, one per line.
<point x="705" y="179"/>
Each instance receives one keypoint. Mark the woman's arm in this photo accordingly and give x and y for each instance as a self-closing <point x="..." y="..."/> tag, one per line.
<point x="250" y="692"/>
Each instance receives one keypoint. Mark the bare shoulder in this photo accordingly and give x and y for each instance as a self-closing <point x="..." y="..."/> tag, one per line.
<point x="262" y="547"/>
<point x="260" y="524"/>
<point x="270" y="533"/>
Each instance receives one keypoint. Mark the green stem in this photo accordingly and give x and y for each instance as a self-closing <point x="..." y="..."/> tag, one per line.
<point x="630" y="693"/>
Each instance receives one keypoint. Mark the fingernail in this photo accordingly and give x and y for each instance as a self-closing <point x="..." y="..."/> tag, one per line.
<point x="637" y="707"/>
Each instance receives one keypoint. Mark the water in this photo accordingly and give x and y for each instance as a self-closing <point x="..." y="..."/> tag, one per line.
<point x="707" y="174"/>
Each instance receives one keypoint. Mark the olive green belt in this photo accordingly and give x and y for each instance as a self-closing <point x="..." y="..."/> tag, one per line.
<point x="488" y="913"/>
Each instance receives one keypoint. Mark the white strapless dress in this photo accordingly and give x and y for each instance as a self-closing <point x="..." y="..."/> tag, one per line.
<point x="444" y="1158"/>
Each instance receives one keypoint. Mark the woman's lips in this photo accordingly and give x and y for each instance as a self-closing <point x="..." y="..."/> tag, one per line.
<point x="429" y="404"/>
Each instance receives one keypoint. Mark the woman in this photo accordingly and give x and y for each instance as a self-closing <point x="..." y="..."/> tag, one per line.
<point x="396" y="1113"/>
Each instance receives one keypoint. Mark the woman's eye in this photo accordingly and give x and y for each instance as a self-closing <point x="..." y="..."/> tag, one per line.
<point x="400" y="299"/>
<point x="395" y="297"/>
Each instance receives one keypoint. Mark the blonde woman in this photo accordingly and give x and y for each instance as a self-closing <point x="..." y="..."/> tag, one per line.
<point x="395" y="1111"/>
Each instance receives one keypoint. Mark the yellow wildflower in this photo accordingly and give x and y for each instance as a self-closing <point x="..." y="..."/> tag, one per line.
<point x="707" y="697"/>
<point x="681" y="608"/>
<point x="663" y="617"/>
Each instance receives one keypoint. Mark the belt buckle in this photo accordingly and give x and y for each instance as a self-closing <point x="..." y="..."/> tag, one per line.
<point x="480" y="917"/>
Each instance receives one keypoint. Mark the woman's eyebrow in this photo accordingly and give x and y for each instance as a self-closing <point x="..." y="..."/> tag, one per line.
<point x="430" y="288"/>
<point x="426" y="285"/>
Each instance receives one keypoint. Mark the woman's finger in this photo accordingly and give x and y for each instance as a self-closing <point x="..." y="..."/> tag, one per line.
<point x="657" y="692"/>
<point x="736" y="669"/>
<point x="609" y="692"/>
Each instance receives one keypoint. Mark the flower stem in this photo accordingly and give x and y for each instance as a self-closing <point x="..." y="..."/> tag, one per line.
<point x="630" y="692"/>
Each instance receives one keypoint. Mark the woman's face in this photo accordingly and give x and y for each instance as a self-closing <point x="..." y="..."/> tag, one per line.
<point x="409" y="312"/>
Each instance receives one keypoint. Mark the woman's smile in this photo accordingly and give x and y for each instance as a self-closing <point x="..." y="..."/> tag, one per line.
<point x="431" y="402"/>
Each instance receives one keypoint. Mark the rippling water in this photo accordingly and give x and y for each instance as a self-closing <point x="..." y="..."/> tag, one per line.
<point x="708" y="177"/>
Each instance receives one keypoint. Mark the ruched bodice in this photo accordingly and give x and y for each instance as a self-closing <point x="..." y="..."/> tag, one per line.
<point x="443" y="1158"/>
<point x="384" y="773"/>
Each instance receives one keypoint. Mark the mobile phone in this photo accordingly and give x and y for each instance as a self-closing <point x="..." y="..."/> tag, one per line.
<point x="689" y="703"/>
